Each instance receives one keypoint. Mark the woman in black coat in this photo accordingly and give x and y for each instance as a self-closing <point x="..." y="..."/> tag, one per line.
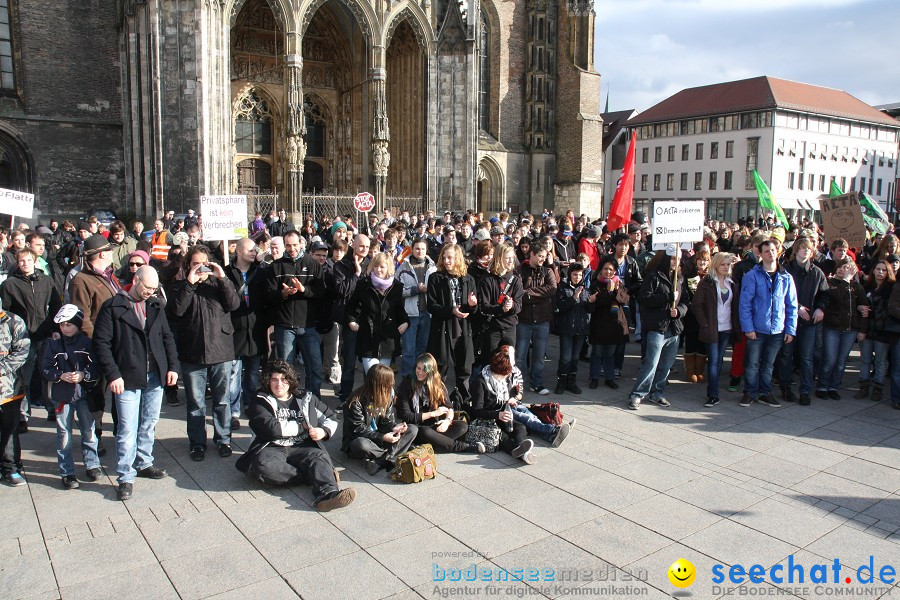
<point x="609" y="328"/>
<point x="376" y="311"/>
<point x="500" y="300"/>
<point x="451" y="299"/>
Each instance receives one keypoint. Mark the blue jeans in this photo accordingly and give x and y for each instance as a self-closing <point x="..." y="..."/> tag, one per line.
<point x="534" y="336"/>
<point x="662" y="349"/>
<point x="414" y="341"/>
<point x="803" y="343"/>
<point x="716" y="354"/>
<point x="138" y="413"/>
<point x="569" y="348"/>
<point x="64" y="421"/>
<point x="244" y="382"/>
<point x="532" y="423"/>
<point x="195" y="379"/>
<point x="288" y="340"/>
<point x="837" y="348"/>
<point x="873" y="353"/>
<point x="760" y="362"/>
<point x="603" y="361"/>
<point x="895" y="372"/>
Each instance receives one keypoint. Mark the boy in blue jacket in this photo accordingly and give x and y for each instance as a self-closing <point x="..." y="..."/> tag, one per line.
<point x="67" y="365"/>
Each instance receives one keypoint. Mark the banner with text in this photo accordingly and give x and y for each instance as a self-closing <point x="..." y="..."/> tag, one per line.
<point x="224" y="217"/>
<point x="17" y="204"/>
<point x="843" y="218"/>
<point x="675" y="222"/>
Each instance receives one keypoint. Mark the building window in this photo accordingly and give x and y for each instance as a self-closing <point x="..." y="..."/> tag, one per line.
<point x="729" y="149"/>
<point x="698" y="181"/>
<point x="670" y="182"/>
<point x="728" y="178"/>
<point x="315" y="129"/>
<point x="791" y="180"/>
<point x="812" y="182"/>
<point x="684" y="181"/>
<point x="7" y="75"/>
<point x="822" y="182"/>
<point x="871" y="181"/>
<point x="685" y="151"/>
<point x="254" y="176"/>
<point x="656" y="181"/>
<point x="800" y="179"/>
<point x="713" y="180"/>
<point x="671" y="154"/>
<point x="699" y="153"/>
<point x="752" y="162"/>
<point x="253" y="126"/>
<point x="645" y="155"/>
<point x="644" y="182"/>
<point x="484" y="93"/>
<point x="658" y="154"/>
<point x="714" y="150"/>
<point x="878" y="188"/>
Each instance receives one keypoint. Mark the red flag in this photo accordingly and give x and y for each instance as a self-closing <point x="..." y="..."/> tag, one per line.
<point x="620" y="211"/>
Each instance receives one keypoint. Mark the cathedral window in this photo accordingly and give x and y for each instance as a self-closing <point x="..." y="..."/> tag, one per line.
<point x="315" y="129"/>
<point x="253" y="126"/>
<point x="484" y="99"/>
<point x="7" y="75"/>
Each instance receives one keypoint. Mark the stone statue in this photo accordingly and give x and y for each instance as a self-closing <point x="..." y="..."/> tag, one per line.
<point x="381" y="159"/>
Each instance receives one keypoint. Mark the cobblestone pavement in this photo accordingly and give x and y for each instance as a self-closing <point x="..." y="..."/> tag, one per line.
<point x="604" y="515"/>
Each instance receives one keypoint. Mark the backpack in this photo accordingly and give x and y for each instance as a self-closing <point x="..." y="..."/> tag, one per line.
<point x="416" y="465"/>
<point x="548" y="413"/>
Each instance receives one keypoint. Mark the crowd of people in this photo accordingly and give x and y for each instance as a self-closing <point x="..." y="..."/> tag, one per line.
<point x="96" y="318"/>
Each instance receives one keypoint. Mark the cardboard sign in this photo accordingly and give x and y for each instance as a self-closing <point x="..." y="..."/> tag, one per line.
<point x="843" y="218"/>
<point x="364" y="202"/>
<point x="17" y="204"/>
<point x="676" y="222"/>
<point x="224" y="217"/>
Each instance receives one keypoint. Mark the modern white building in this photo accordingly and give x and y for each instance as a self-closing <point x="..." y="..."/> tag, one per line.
<point x="703" y="143"/>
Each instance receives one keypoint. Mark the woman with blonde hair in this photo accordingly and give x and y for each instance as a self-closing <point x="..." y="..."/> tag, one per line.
<point x="372" y="430"/>
<point x="500" y="300"/>
<point x="422" y="400"/>
<point x="451" y="299"/>
<point x="376" y="312"/>
<point x="715" y="310"/>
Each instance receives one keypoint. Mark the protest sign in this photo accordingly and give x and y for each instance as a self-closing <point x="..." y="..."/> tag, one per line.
<point x="224" y="217"/>
<point x="843" y="218"/>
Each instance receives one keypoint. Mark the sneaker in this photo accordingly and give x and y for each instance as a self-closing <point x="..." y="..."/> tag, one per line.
<point x="70" y="482"/>
<point x="561" y="434"/>
<point x="480" y="447"/>
<point x="768" y="400"/>
<point x="594" y="383"/>
<point x="746" y="400"/>
<point x="734" y="384"/>
<point x="804" y="400"/>
<point x="611" y="384"/>
<point x="14" y="479"/>
<point x="833" y="394"/>
<point x="821" y="394"/>
<point x="198" y="454"/>
<point x="235" y="424"/>
<point x="374" y="465"/>
<point x="124" y="491"/>
<point x="224" y="450"/>
<point x="93" y="474"/>
<point x="662" y="401"/>
<point x="522" y="449"/>
<point x="337" y="500"/>
<point x="634" y="402"/>
<point x="711" y="401"/>
<point x="572" y="422"/>
<point x="540" y="390"/>
<point x="152" y="472"/>
<point x="528" y="457"/>
<point x="787" y="394"/>
<point x="23" y="426"/>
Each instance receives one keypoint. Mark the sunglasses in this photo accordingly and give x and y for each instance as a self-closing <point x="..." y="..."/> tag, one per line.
<point x="135" y="264"/>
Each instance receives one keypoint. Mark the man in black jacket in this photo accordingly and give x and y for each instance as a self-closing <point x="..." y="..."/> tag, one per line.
<point x="203" y="300"/>
<point x="629" y="274"/>
<point x="292" y="283"/>
<point x="31" y="295"/>
<point x="135" y="350"/>
<point x="343" y="283"/>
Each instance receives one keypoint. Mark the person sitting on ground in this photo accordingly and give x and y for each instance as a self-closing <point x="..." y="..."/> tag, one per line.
<point x="372" y="431"/>
<point x="423" y="401"/>
<point x="290" y="425"/>
<point x="14" y="348"/>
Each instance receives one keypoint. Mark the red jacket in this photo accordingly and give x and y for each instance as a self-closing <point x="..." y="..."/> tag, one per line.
<point x="589" y="247"/>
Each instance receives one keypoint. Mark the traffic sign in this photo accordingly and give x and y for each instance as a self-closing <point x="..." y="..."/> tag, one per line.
<point x="364" y="202"/>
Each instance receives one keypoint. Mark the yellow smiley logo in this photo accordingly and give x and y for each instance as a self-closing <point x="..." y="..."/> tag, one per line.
<point x="682" y="573"/>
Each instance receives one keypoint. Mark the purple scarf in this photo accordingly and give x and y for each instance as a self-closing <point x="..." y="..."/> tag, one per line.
<point x="379" y="283"/>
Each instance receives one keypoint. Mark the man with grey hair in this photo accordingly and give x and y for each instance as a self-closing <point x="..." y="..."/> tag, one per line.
<point x="135" y="349"/>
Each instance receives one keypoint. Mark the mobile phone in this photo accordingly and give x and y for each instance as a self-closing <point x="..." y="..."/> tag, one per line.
<point x="204" y="269"/>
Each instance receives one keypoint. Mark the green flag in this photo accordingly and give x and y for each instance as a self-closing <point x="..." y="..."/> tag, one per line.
<point x="835" y="190"/>
<point x="767" y="201"/>
<point x="874" y="217"/>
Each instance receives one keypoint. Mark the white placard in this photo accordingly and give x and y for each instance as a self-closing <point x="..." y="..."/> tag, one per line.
<point x="224" y="217"/>
<point x="675" y="222"/>
<point x="684" y="246"/>
<point x="17" y="204"/>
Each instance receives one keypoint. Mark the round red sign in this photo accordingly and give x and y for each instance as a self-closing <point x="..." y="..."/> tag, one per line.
<point x="364" y="202"/>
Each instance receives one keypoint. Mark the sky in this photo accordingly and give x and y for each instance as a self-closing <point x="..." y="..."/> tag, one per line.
<point x="647" y="50"/>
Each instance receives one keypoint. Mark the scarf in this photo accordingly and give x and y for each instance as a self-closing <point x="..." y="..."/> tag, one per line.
<point x="498" y="388"/>
<point x="605" y="281"/>
<point x="380" y="284"/>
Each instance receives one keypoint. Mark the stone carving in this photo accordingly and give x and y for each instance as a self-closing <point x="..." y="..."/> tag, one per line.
<point x="405" y="14"/>
<point x="581" y="8"/>
<point x="354" y="8"/>
<point x="259" y="18"/>
<point x="319" y="76"/>
<point x="381" y="158"/>
<point x="259" y="69"/>
<point x="295" y="152"/>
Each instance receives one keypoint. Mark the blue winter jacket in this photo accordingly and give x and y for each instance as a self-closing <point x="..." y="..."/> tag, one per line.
<point x="767" y="308"/>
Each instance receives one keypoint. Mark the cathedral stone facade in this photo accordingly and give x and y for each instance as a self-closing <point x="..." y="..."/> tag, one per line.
<point x="146" y="105"/>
